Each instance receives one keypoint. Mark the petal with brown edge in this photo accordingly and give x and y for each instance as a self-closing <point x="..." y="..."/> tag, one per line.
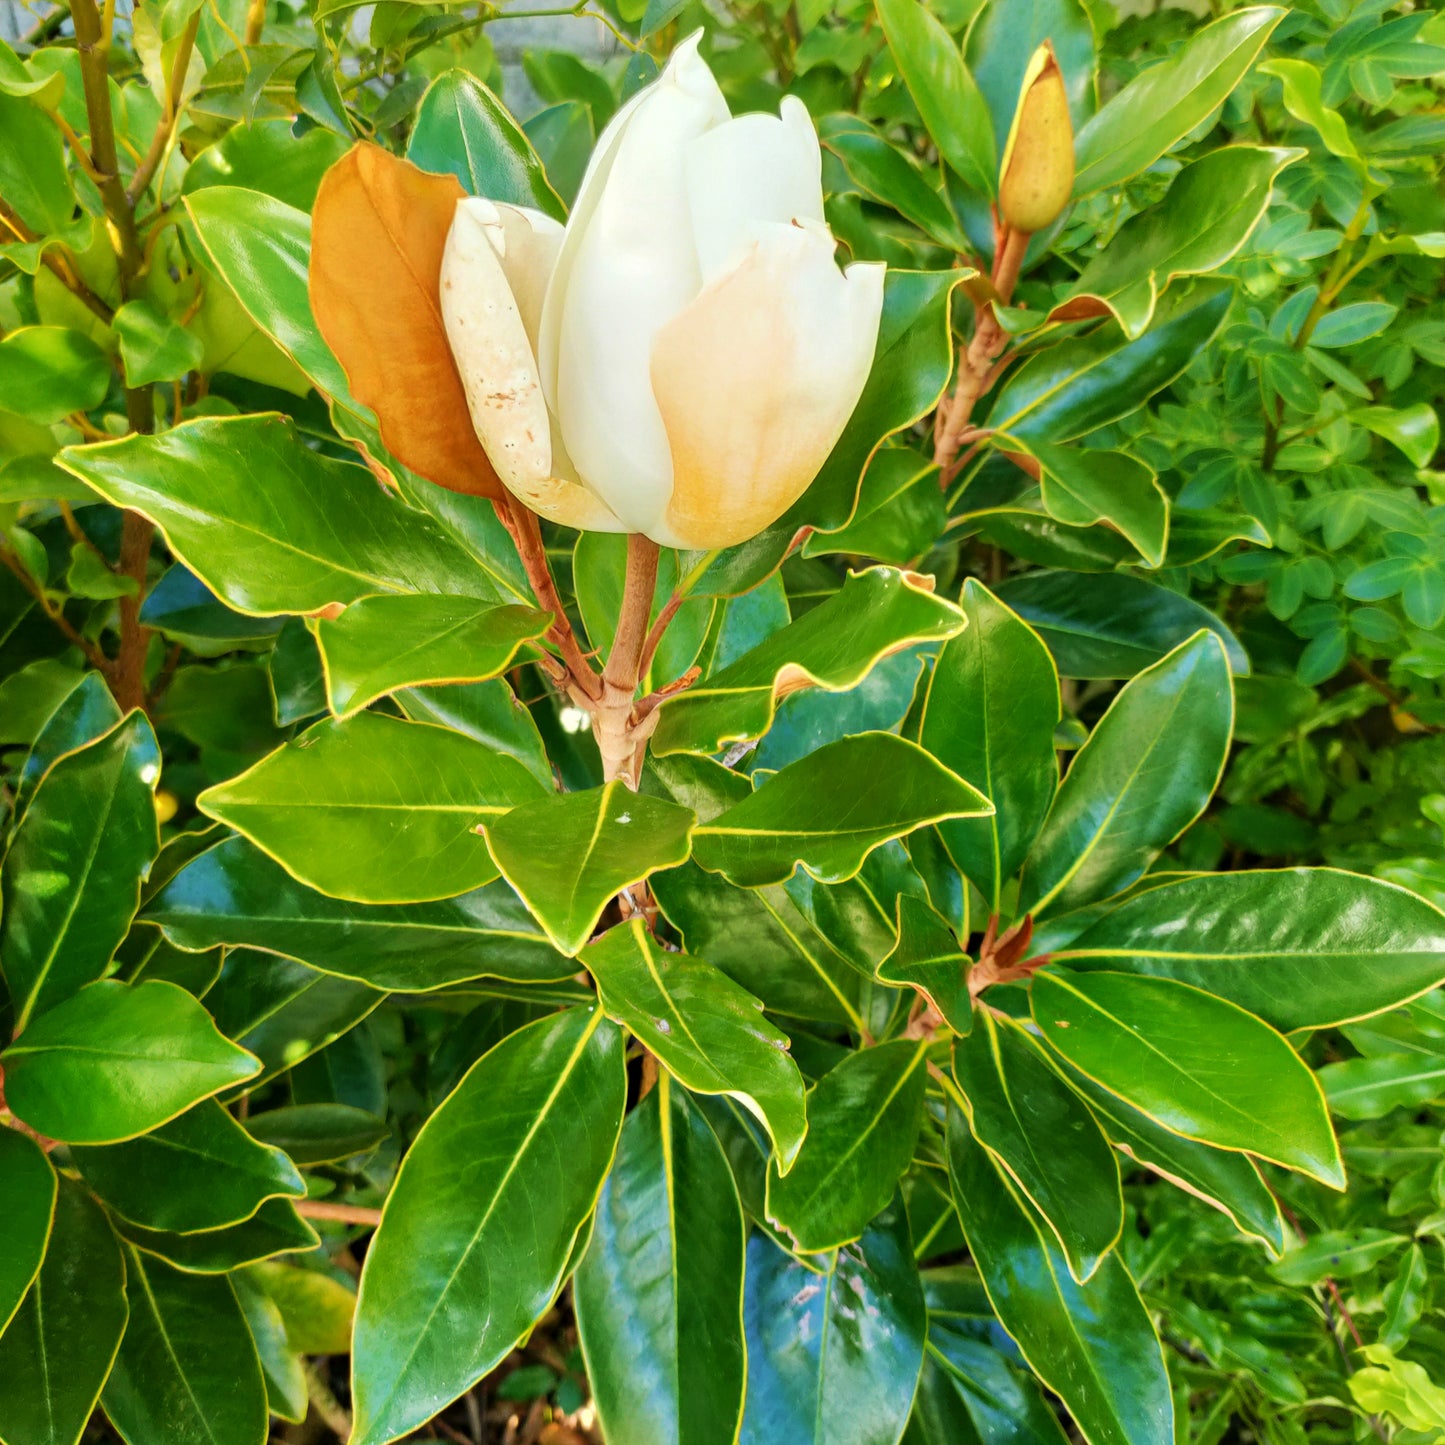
<point x="377" y="236"/>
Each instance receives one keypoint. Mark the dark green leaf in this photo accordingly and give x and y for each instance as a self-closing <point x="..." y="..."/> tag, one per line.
<point x="659" y="1292"/>
<point x="318" y="1133"/>
<point x="27" y="1206"/>
<point x="928" y="957"/>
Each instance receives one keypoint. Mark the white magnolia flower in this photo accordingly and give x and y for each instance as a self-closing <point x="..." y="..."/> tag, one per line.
<point x="681" y="358"/>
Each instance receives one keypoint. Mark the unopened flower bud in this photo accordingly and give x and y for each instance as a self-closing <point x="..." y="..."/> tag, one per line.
<point x="1037" y="175"/>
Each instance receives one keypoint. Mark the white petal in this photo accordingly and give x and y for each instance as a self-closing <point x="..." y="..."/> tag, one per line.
<point x="754" y="171"/>
<point x="756" y="380"/>
<point x="626" y="267"/>
<point x="495" y="270"/>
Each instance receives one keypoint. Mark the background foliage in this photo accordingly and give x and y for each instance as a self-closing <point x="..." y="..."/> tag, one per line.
<point x="1276" y="424"/>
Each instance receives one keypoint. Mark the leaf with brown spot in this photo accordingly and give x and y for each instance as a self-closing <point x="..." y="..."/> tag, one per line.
<point x="378" y="232"/>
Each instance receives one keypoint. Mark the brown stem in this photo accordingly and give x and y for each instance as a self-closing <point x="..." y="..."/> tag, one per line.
<point x="175" y="92"/>
<point x="526" y="533"/>
<point x="128" y="683"/>
<point x="621" y="735"/>
<point x="340" y="1213"/>
<point x="978" y="368"/>
<point x="57" y="262"/>
<point x="93" y="654"/>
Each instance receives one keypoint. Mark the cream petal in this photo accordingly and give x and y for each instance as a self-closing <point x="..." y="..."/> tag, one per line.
<point x="754" y="171"/>
<point x="756" y="380"/>
<point x="494" y="274"/>
<point x="628" y="266"/>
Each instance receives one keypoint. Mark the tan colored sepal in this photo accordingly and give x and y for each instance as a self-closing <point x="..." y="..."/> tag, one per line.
<point x="377" y="237"/>
<point x="1036" y="178"/>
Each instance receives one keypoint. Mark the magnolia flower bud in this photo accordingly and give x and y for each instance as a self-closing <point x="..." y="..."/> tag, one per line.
<point x="1037" y="174"/>
<point x="680" y="359"/>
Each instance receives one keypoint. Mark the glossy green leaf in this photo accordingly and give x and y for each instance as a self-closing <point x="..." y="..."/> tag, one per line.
<point x="1338" y="1254"/>
<point x="318" y="1309"/>
<point x="56" y="1352"/>
<point x="234" y="894"/>
<point x="989" y="715"/>
<point x="262" y="248"/>
<point x="888" y="175"/>
<point x="269" y="524"/>
<point x="87" y="713"/>
<point x="1093" y="1344"/>
<point x="318" y="1133"/>
<point x="1299" y="947"/>
<point x="971" y="1392"/>
<point x="281" y="1367"/>
<point x="269" y="157"/>
<point x="1196" y="1064"/>
<point x="928" y="957"/>
<point x="1068" y="390"/>
<point x="200" y="1171"/>
<point x="702" y="1026"/>
<point x="275" y="1228"/>
<point x="1371" y="1088"/>
<point x="1303" y="87"/>
<point x="1415" y="429"/>
<point x="282" y="1011"/>
<point x="117" y="1060"/>
<point x="834" y="1350"/>
<point x="1230" y="1182"/>
<point x="375" y="809"/>
<point x="912" y="364"/>
<point x="1406" y="1298"/>
<point x="900" y="513"/>
<point x="461" y="128"/>
<point x="27" y="1207"/>
<point x="1159" y="107"/>
<point x="944" y="91"/>
<point x="762" y="940"/>
<point x="570" y="854"/>
<point x="834" y="646"/>
<point x="1038" y="1129"/>
<point x="381" y="644"/>
<point x="71" y="880"/>
<point x="47" y="372"/>
<point x="1147" y="771"/>
<point x="187" y="1372"/>
<point x="830" y="809"/>
<point x="490" y="712"/>
<point x="863" y="1120"/>
<point x="1208" y="213"/>
<point x="152" y="347"/>
<point x="1083" y="486"/>
<point x="1002" y="40"/>
<point x="1114" y="625"/>
<point x="659" y="1293"/>
<point x="465" y="1259"/>
<point x="32" y="165"/>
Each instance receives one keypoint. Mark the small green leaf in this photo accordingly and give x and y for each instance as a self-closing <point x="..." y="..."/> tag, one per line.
<point x="1093" y="1344"/>
<point x="1039" y="1130"/>
<point x="702" y="1026"/>
<point x="570" y="854"/>
<point x="47" y="372"/>
<point x="1415" y="429"/>
<point x="27" y="1207"/>
<point x="1371" y="1088"/>
<point x="1299" y="947"/>
<point x="275" y="1228"/>
<point x="834" y="646"/>
<point x="318" y="1133"/>
<point x="1196" y="1064"/>
<point x="928" y="957"/>
<point x="152" y="347"/>
<point x="461" y="128"/>
<point x="381" y="644"/>
<point x="71" y="880"/>
<point x="200" y="1171"/>
<point x="281" y="1367"/>
<point x="466" y="1259"/>
<point x="1302" y="84"/>
<point x="835" y="1344"/>
<point x="659" y="1292"/>
<point x="375" y="809"/>
<point x="187" y="1371"/>
<point x="116" y="1060"/>
<point x="1160" y="106"/>
<point x="830" y="809"/>
<point x="989" y="715"/>
<point x="863" y="1121"/>
<point x="217" y="487"/>
<point x="1147" y="771"/>
<point x="57" y="1350"/>
<point x="233" y="894"/>
<point x="1337" y="1254"/>
<point x="949" y="101"/>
